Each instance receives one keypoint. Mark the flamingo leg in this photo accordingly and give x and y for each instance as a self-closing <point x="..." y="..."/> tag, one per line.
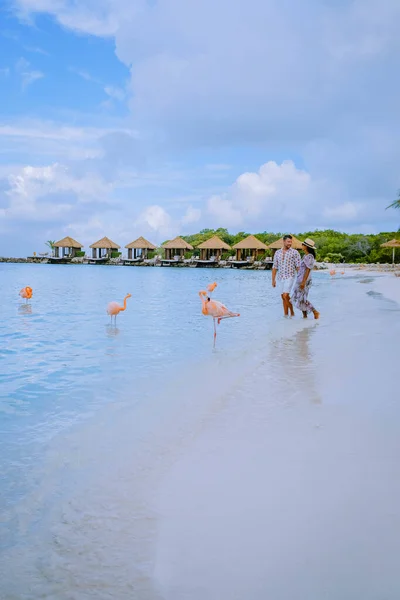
<point x="215" y="332"/>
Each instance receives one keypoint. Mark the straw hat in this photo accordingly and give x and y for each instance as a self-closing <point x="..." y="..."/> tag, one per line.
<point x="309" y="243"/>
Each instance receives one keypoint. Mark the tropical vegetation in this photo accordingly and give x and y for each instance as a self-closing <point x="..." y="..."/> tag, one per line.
<point x="332" y="246"/>
<point x="396" y="203"/>
<point x="50" y="244"/>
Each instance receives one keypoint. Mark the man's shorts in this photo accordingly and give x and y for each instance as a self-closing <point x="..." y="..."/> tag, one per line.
<point x="286" y="285"/>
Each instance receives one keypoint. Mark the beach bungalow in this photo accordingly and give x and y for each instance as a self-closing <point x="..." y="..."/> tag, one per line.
<point x="392" y="244"/>
<point x="175" y="250"/>
<point x="211" y="251"/>
<point x="138" y="249"/>
<point x="249" y="249"/>
<point x="101" y="250"/>
<point x="69" y="248"/>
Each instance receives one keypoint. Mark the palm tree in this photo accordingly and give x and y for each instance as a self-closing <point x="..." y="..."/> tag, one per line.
<point x="50" y="244"/>
<point x="396" y="203"/>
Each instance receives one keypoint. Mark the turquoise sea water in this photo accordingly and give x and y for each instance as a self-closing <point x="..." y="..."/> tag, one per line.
<point x="61" y="359"/>
<point x="92" y="415"/>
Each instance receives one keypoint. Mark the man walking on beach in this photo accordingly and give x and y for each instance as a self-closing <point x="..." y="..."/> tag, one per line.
<point x="286" y="264"/>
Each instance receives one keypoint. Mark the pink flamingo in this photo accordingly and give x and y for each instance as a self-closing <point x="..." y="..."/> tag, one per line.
<point x="113" y="309"/>
<point x="26" y="293"/>
<point x="332" y="272"/>
<point x="214" y="309"/>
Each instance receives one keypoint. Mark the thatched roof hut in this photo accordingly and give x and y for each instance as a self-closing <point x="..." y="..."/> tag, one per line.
<point x="176" y="247"/>
<point x="251" y="245"/>
<point x="212" y="247"/>
<point x="105" y="247"/>
<point x="392" y="244"/>
<point x="296" y="244"/>
<point x="69" y="247"/>
<point x="140" y="248"/>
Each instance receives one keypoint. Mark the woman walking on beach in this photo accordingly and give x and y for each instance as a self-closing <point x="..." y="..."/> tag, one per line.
<point x="304" y="281"/>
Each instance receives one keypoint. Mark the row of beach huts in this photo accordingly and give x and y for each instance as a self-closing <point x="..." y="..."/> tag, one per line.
<point x="249" y="253"/>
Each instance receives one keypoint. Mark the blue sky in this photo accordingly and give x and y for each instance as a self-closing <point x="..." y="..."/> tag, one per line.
<point x="128" y="117"/>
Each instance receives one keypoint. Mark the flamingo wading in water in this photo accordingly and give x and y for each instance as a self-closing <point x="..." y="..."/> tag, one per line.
<point x="26" y="293"/>
<point x="214" y="309"/>
<point x="113" y="309"/>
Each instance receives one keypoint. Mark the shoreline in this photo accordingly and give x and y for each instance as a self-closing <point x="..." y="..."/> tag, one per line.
<point x="341" y="269"/>
<point x="389" y="287"/>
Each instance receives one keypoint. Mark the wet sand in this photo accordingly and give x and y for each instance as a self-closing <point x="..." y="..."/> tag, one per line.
<point x="388" y="286"/>
<point x="293" y="491"/>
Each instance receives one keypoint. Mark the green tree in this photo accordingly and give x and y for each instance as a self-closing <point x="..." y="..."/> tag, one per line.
<point x="396" y="203"/>
<point x="50" y="244"/>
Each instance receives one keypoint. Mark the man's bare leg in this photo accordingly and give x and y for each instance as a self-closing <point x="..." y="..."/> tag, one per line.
<point x="285" y="305"/>
<point x="289" y="305"/>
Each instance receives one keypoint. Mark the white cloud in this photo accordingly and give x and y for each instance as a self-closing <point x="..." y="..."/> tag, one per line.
<point x="274" y="192"/>
<point x="28" y="76"/>
<point x="84" y="75"/>
<point x="157" y="219"/>
<point x="42" y="193"/>
<point x="222" y="210"/>
<point x="115" y="93"/>
<point x="95" y="17"/>
<point x="36" y="50"/>
<point x="343" y="212"/>
<point x="107" y="104"/>
<point x="21" y="65"/>
<point x="192" y="215"/>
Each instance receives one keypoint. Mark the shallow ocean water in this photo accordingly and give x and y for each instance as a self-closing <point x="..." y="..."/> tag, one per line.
<point x="110" y="435"/>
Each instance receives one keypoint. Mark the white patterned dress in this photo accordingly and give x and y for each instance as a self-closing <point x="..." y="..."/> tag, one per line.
<point x="299" y="296"/>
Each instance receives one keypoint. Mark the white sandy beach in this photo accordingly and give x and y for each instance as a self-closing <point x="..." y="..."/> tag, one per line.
<point x="292" y="492"/>
<point x="385" y="280"/>
<point x="388" y="286"/>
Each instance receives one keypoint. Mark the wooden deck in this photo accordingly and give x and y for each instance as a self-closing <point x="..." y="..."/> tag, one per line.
<point x="98" y="261"/>
<point x="130" y="262"/>
<point x="207" y="263"/>
<point x="170" y="262"/>
<point x="59" y="260"/>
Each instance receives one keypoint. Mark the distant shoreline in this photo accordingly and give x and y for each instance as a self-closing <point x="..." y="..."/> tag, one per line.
<point x="257" y="265"/>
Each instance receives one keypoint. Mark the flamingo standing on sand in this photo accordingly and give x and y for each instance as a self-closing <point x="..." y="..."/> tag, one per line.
<point x="214" y="309"/>
<point x="26" y="293"/>
<point x="113" y="309"/>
